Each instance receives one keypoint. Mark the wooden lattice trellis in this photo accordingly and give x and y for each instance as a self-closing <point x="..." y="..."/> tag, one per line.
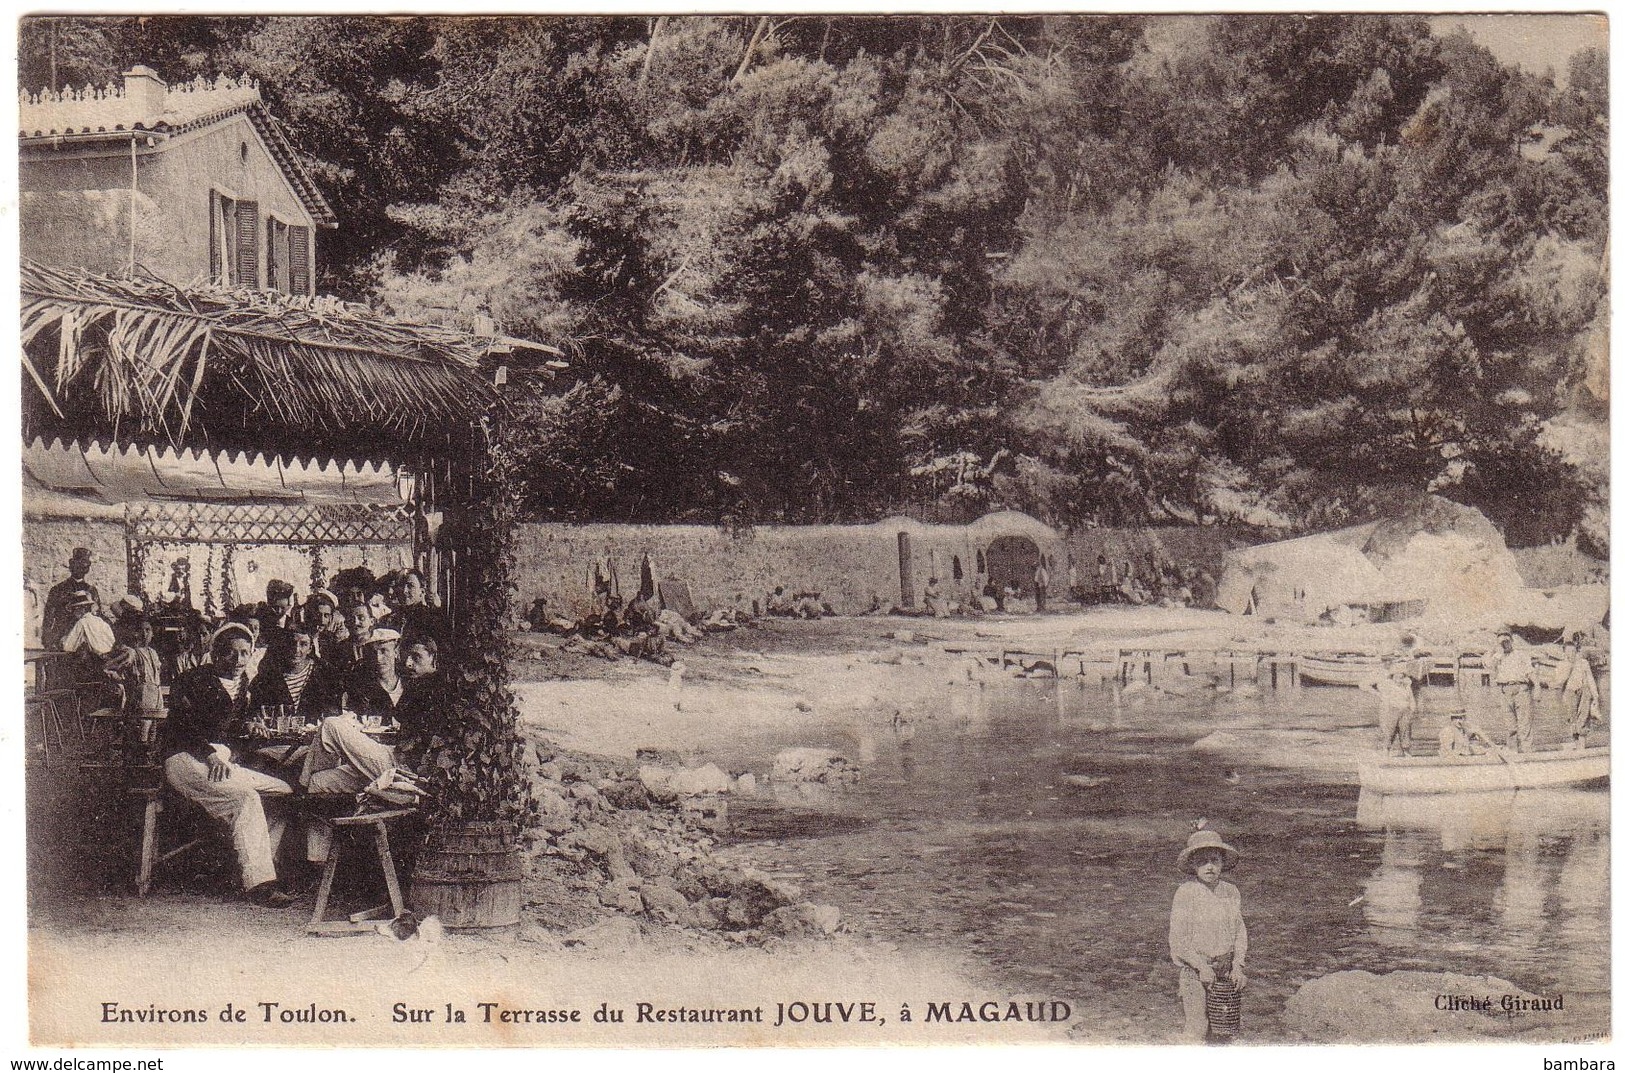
<point x="270" y="523"/>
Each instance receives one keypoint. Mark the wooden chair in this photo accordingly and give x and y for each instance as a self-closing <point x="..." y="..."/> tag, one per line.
<point x="55" y="717"/>
<point x="375" y="824"/>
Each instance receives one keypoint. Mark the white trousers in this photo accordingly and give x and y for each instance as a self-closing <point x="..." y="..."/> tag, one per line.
<point x="342" y="759"/>
<point x="235" y="800"/>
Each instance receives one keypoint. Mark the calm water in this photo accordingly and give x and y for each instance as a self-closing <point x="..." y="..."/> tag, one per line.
<point x="965" y="833"/>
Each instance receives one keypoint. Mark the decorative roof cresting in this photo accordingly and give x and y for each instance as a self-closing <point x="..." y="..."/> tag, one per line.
<point x="143" y="101"/>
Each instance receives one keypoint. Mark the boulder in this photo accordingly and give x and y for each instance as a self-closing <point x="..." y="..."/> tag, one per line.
<point x="689" y="881"/>
<point x="665" y="903"/>
<point x="648" y="859"/>
<point x="605" y="846"/>
<point x="813" y="765"/>
<point x="626" y="794"/>
<point x="804" y="920"/>
<point x="623" y="896"/>
<point x="555" y="815"/>
<point x="709" y="779"/>
<point x="657" y="783"/>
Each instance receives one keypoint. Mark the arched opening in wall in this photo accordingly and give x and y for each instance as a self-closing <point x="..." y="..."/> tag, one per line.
<point x="1012" y="560"/>
<point x="959" y="571"/>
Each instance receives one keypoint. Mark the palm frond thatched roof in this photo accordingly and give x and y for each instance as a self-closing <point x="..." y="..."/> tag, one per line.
<point x="143" y="359"/>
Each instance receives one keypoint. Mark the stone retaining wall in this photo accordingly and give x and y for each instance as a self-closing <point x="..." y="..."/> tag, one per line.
<point x="852" y="565"/>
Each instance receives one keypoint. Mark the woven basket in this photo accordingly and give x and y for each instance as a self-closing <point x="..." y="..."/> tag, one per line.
<point x="1223" y="1008"/>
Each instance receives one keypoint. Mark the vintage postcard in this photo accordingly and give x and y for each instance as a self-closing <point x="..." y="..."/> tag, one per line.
<point x="808" y="529"/>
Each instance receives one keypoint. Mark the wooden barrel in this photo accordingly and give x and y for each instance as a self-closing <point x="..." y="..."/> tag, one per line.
<point x="468" y="875"/>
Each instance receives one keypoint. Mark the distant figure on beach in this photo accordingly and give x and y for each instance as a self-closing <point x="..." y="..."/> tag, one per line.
<point x="933" y="598"/>
<point x="1208" y="939"/>
<point x="1040" y="585"/>
<point x="780" y="604"/>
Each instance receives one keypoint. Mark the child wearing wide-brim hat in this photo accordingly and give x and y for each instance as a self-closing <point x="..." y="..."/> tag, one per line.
<point x="1207" y="937"/>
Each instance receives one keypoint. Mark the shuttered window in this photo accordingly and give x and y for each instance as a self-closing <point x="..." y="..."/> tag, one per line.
<point x="299" y="274"/>
<point x="246" y="265"/>
<point x="234" y="241"/>
<point x="276" y="255"/>
<point x="222" y="238"/>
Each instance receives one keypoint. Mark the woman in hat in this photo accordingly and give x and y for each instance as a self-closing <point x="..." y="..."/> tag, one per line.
<point x="1206" y="935"/>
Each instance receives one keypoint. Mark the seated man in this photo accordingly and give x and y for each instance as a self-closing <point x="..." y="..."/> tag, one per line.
<point x="344" y="759"/>
<point x="1457" y="739"/>
<point x="934" y="605"/>
<point x="208" y="705"/>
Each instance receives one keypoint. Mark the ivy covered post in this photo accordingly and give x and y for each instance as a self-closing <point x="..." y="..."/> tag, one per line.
<point x="468" y="873"/>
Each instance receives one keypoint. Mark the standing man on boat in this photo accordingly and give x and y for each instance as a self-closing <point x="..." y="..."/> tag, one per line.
<point x="1514" y="674"/>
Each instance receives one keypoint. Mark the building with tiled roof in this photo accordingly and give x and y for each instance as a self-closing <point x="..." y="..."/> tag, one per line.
<point x="190" y="183"/>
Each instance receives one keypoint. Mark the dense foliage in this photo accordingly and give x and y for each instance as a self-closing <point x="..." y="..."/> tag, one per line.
<point x="1280" y="269"/>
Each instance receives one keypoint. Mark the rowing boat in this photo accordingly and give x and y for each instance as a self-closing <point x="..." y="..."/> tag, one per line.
<point x="1340" y="670"/>
<point x="1476" y="774"/>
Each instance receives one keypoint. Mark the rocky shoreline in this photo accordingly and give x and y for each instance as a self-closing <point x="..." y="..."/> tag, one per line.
<point x="636" y="841"/>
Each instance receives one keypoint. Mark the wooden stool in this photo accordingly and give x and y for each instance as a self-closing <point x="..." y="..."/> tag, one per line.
<point x="152" y="799"/>
<point x="360" y="922"/>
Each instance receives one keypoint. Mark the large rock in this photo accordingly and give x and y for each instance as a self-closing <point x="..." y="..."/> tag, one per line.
<point x="709" y="779"/>
<point x="804" y="920"/>
<point x="622" y="895"/>
<point x="814" y="765"/>
<point x="665" y="903"/>
<point x="555" y="814"/>
<point x="1402" y="1007"/>
<point x="648" y="859"/>
<point x="656" y="782"/>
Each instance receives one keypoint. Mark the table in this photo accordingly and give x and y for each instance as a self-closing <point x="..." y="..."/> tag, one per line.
<point x="291" y="740"/>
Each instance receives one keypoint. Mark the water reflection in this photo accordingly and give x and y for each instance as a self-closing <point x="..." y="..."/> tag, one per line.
<point x="1546" y="852"/>
<point x="1033" y="824"/>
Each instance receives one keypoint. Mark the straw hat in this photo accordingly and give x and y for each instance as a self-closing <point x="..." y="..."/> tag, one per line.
<point x="1205" y="839"/>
